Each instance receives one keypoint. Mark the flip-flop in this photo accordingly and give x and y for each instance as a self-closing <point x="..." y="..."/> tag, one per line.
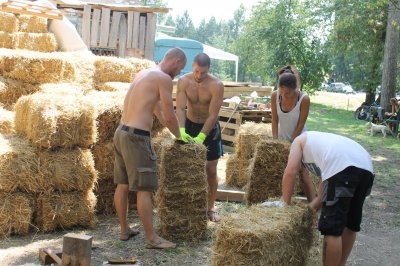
<point x="130" y="233"/>
<point x="213" y="216"/>
<point x="158" y="244"/>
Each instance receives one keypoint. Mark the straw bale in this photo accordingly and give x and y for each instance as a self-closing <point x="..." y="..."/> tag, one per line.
<point x="182" y="194"/>
<point x="7" y="40"/>
<point x="232" y="171"/>
<point x="18" y="161"/>
<point x="35" y="67"/>
<point x="33" y="24"/>
<point x="6" y="121"/>
<point x="113" y="86"/>
<point x="8" y="22"/>
<point x="59" y="121"/>
<point x="164" y="133"/>
<point x="266" y="170"/>
<point x="265" y="236"/>
<point x="66" y="170"/>
<point x="118" y="69"/>
<point x="108" y="106"/>
<point x="103" y="154"/>
<point x="11" y="90"/>
<point x="249" y="134"/>
<point x="41" y="42"/>
<point x="66" y="210"/>
<point x="157" y="127"/>
<point x="16" y="211"/>
<point x="61" y="88"/>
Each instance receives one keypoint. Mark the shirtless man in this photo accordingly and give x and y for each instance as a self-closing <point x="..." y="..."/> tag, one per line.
<point x="202" y="93"/>
<point x="135" y="160"/>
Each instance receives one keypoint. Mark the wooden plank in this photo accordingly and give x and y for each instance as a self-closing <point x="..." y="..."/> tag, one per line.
<point x="87" y="12"/>
<point x="77" y="249"/>
<point x="142" y="31"/>
<point x="122" y="36"/>
<point x="104" y="27"/>
<point x="46" y="259"/>
<point x="227" y="148"/>
<point x="228" y="125"/>
<point x="228" y="113"/>
<point x="150" y="36"/>
<point x="116" y="7"/>
<point x="112" y="42"/>
<point x="130" y="30"/>
<point x="228" y="138"/>
<point x="94" y="29"/>
<point x="230" y="195"/>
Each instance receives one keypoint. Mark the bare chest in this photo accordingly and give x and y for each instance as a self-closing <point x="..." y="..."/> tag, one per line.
<point x="198" y="94"/>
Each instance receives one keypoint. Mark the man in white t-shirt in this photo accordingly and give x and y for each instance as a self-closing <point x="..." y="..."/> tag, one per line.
<point x="347" y="177"/>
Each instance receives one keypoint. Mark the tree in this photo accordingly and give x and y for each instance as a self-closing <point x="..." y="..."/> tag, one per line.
<point x="390" y="55"/>
<point x="184" y="26"/>
<point x="156" y="3"/>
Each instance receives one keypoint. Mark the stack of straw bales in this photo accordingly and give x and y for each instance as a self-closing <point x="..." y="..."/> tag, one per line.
<point x="182" y="194"/>
<point x="265" y="236"/>
<point x="113" y="86"/>
<point x="26" y="32"/>
<point x="266" y="170"/>
<point x="6" y="121"/>
<point x="249" y="134"/>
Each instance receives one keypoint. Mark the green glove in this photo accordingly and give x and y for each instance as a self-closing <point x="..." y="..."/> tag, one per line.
<point x="200" y="138"/>
<point x="184" y="136"/>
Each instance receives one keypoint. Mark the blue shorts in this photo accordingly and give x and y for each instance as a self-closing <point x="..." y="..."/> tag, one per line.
<point x="343" y="199"/>
<point x="213" y="141"/>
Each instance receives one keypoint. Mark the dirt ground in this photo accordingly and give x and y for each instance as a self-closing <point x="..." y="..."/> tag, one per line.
<point x="377" y="243"/>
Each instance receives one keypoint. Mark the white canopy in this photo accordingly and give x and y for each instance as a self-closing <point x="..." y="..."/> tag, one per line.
<point x="215" y="53"/>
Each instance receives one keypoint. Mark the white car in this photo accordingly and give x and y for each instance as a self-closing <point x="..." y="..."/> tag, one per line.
<point x="348" y="89"/>
<point x="340" y="87"/>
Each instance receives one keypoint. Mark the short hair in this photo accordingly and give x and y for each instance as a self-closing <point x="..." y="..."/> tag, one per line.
<point x="287" y="80"/>
<point x="202" y="60"/>
<point x="393" y="100"/>
<point x="176" y="53"/>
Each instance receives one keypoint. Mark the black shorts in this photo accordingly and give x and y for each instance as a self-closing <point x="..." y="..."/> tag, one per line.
<point x="213" y="140"/>
<point x="343" y="199"/>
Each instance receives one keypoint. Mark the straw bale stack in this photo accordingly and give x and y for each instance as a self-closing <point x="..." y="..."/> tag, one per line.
<point x="18" y="161"/>
<point x="232" y="171"/>
<point x="103" y="154"/>
<point x="35" y="67"/>
<point x="266" y="170"/>
<point x="6" y="121"/>
<point x="8" y="22"/>
<point x="7" y="40"/>
<point x="41" y="42"/>
<point x="140" y="64"/>
<point x="59" y="121"/>
<point x="113" y="86"/>
<point x="265" y="236"/>
<point x="33" y="24"/>
<point x="16" y="213"/>
<point x="11" y="90"/>
<point x="108" y="106"/>
<point x="182" y="195"/>
<point x="61" y="88"/>
<point x="249" y="134"/>
<point x="66" y="210"/>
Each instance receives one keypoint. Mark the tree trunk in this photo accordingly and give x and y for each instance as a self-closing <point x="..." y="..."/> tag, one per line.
<point x="390" y="56"/>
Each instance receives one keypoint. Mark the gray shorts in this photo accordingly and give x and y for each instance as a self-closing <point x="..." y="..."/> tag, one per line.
<point x="135" y="160"/>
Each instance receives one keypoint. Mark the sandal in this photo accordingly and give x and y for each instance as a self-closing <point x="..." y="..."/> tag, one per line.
<point x="127" y="235"/>
<point x="160" y="244"/>
<point x="213" y="216"/>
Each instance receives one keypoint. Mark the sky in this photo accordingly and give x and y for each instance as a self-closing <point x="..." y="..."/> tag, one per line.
<point x="199" y="9"/>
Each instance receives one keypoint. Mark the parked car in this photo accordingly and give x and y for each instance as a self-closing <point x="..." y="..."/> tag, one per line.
<point x="340" y="87"/>
<point x="324" y="86"/>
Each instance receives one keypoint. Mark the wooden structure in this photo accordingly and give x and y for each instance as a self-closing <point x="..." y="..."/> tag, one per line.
<point x="32" y="8"/>
<point x="116" y="30"/>
<point x="236" y="118"/>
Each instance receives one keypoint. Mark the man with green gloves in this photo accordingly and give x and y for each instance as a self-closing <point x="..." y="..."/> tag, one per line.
<point x="202" y="94"/>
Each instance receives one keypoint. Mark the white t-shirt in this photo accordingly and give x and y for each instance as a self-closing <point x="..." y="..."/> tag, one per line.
<point x="326" y="154"/>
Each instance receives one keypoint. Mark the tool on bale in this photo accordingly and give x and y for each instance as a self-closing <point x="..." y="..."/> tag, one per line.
<point x="76" y="251"/>
<point x="133" y="261"/>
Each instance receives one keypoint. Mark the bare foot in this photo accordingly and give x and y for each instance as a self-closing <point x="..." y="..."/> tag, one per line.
<point x="213" y="216"/>
<point x="159" y="243"/>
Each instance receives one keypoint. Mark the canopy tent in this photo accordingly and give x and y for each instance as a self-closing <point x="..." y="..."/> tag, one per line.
<point x="191" y="47"/>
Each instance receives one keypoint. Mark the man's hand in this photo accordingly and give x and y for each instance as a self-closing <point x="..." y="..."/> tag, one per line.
<point x="185" y="136"/>
<point x="200" y="138"/>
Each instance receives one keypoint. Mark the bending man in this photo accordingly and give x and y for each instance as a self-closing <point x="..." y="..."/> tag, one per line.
<point x="202" y="93"/>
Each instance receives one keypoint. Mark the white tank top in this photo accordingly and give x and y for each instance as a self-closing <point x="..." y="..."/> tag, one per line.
<point x="287" y="122"/>
<point x="326" y="154"/>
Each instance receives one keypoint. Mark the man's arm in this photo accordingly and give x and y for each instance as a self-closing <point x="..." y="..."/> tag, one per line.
<point x="304" y="110"/>
<point x="292" y="168"/>
<point x="167" y="107"/>
<point x="181" y="102"/>
<point x="158" y="113"/>
<point x="217" y="96"/>
<point x="274" y="113"/>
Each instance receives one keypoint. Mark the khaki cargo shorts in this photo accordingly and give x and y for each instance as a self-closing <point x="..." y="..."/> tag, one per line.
<point x="135" y="160"/>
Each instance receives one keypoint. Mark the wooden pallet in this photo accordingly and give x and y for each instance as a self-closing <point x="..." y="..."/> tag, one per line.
<point x="32" y="8"/>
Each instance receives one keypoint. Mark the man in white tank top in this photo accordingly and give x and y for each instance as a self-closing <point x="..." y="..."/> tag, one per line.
<point x="347" y="176"/>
